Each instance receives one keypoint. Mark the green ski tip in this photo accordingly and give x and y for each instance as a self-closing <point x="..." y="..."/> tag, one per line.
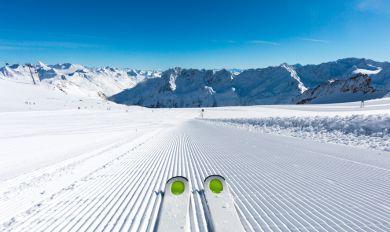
<point x="177" y="187"/>
<point x="216" y="186"/>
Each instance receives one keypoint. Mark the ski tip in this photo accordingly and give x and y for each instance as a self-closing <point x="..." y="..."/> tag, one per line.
<point x="177" y="178"/>
<point x="177" y="185"/>
<point x="215" y="184"/>
<point x="213" y="177"/>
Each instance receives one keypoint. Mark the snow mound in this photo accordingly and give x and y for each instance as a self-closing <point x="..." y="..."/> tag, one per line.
<point x="368" y="131"/>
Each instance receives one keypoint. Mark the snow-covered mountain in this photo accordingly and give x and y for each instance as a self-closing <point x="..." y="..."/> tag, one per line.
<point x="314" y="75"/>
<point x="179" y="87"/>
<point x="77" y="80"/>
<point x="272" y="85"/>
<point x="194" y="88"/>
<point x="356" y="88"/>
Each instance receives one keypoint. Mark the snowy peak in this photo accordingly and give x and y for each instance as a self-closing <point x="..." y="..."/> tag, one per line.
<point x="69" y="68"/>
<point x="42" y="65"/>
<point x="18" y="73"/>
<point x="313" y="75"/>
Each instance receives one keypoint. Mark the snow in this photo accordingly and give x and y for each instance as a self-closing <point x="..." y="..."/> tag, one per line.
<point x="97" y="169"/>
<point x="294" y="75"/>
<point x="278" y="183"/>
<point x="356" y="88"/>
<point x="198" y="87"/>
<point x="46" y="151"/>
<point x="368" y="132"/>
<point x="271" y="85"/>
<point x="193" y="88"/>
<point x="368" y="71"/>
<point x="45" y="134"/>
<point x="348" y="124"/>
<point x="78" y="163"/>
<point x="77" y="80"/>
<point x="28" y="97"/>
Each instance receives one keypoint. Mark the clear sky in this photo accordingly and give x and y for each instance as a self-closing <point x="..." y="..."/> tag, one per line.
<point x="193" y="33"/>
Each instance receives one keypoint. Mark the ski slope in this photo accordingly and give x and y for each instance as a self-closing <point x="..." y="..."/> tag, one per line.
<point x="98" y="170"/>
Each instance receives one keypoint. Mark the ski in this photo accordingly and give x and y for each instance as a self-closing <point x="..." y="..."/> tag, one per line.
<point x="220" y="204"/>
<point x="175" y="206"/>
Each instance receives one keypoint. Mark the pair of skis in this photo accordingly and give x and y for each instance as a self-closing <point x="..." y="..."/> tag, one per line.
<point x="219" y="204"/>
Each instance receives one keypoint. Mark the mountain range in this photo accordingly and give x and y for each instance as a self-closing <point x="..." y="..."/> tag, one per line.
<point x="283" y="84"/>
<point x="338" y="81"/>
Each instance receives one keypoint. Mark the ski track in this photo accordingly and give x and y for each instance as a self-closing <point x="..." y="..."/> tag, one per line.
<point x="277" y="183"/>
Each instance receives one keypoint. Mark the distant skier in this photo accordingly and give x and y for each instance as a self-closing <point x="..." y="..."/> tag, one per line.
<point x="362" y="103"/>
<point x="201" y="113"/>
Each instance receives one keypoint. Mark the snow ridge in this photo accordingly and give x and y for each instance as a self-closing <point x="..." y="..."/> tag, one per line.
<point x="294" y="75"/>
<point x="367" y="131"/>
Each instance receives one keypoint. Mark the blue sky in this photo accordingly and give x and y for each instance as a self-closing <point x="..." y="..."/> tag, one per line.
<point x="193" y="33"/>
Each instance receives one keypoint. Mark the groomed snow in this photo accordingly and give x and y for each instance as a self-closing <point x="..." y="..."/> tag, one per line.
<point x="279" y="183"/>
<point x="98" y="168"/>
